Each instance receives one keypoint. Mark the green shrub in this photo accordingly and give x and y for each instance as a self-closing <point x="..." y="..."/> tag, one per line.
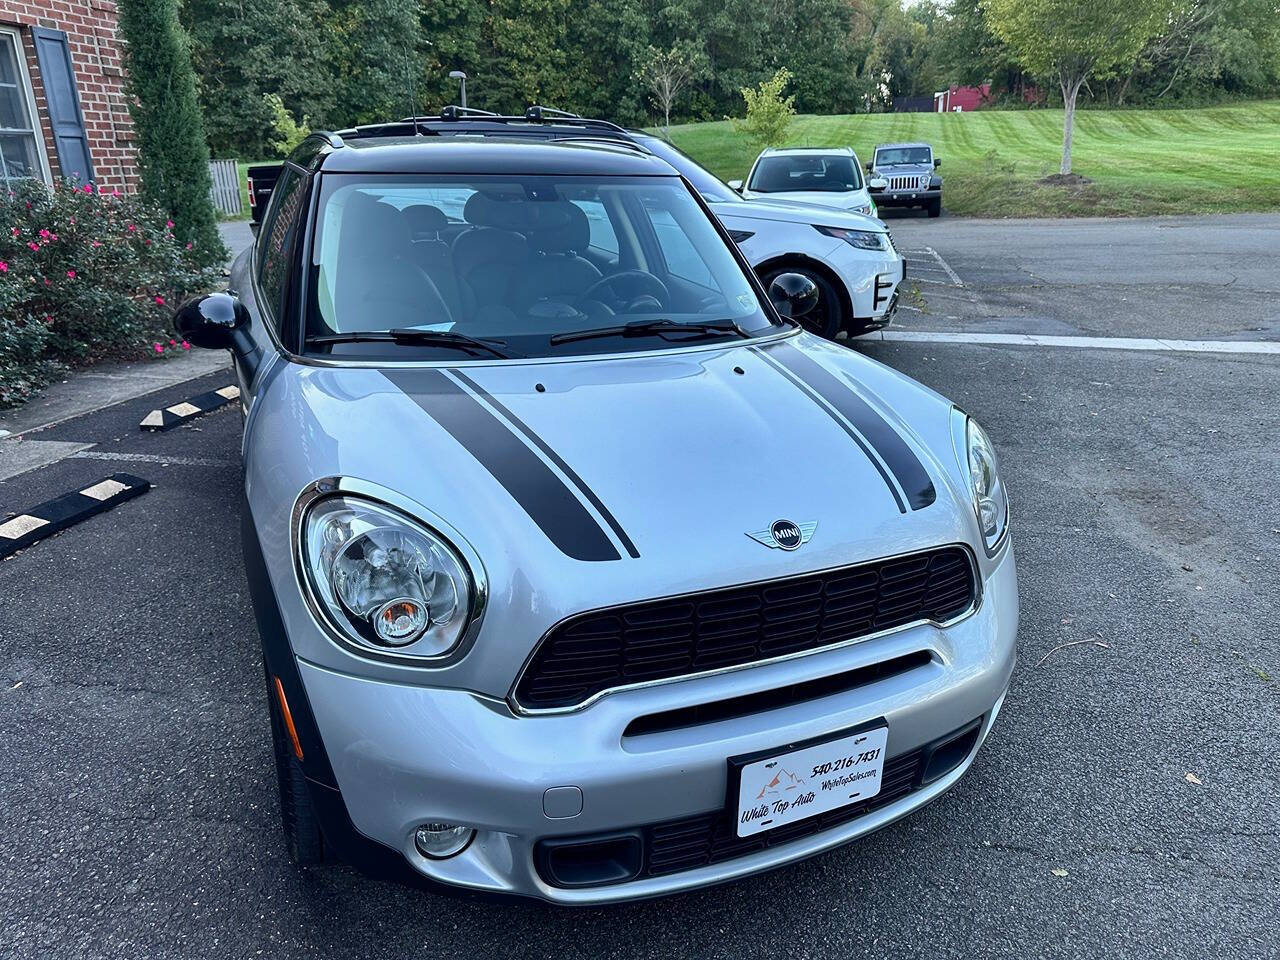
<point x="83" y="275"/>
<point x="286" y="133"/>
<point x="768" y="112"/>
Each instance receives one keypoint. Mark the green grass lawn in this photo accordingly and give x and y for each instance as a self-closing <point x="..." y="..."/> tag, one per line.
<point x="1213" y="159"/>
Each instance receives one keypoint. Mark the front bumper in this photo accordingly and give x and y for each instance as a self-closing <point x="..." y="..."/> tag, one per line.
<point x="405" y="755"/>
<point x="908" y="198"/>
<point x="871" y="279"/>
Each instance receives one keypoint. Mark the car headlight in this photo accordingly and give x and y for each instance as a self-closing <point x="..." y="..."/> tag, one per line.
<point x="383" y="581"/>
<point x="862" y="239"/>
<point x="990" y="502"/>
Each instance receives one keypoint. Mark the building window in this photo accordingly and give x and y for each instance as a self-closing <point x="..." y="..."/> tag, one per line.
<point x="21" y="148"/>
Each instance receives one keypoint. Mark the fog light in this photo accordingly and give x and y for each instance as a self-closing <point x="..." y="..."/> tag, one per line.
<point x="440" y="841"/>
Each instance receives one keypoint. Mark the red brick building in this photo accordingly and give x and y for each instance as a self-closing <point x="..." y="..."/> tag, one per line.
<point x="62" y="104"/>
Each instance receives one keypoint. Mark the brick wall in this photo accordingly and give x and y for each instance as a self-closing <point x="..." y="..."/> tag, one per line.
<point x="90" y="26"/>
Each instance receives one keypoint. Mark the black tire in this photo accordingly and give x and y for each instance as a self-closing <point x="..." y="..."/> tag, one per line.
<point x="935" y="207"/>
<point x="824" y="319"/>
<point x="302" y="835"/>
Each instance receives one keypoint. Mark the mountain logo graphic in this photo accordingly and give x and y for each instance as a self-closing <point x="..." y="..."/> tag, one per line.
<point x="782" y="781"/>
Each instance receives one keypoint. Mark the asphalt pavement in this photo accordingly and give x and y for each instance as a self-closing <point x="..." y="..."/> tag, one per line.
<point x="1125" y="805"/>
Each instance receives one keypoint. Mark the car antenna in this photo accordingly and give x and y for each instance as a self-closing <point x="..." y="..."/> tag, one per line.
<point x="413" y="93"/>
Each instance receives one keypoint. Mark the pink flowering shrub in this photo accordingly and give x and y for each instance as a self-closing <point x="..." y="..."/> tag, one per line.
<point x="84" y="275"/>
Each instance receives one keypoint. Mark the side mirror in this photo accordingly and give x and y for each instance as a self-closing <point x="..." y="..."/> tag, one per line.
<point x="793" y="294"/>
<point x="735" y="186"/>
<point x="876" y="184"/>
<point x="870" y="165"/>
<point x="936" y="163"/>
<point x="212" y="321"/>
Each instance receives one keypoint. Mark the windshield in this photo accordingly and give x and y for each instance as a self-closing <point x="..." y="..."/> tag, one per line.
<point x="485" y="267"/>
<point x="705" y="182"/>
<point x="790" y="172"/>
<point x="892" y="156"/>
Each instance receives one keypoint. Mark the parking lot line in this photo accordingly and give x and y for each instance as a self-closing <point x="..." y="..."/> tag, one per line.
<point x="153" y="458"/>
<point x="1090" y="343"/>
<point x="955" y="279"/>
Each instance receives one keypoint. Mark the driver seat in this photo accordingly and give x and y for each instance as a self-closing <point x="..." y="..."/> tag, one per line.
<point x="558" y="231"/>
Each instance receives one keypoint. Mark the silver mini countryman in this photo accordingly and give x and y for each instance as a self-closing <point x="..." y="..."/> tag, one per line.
<point x="582" y="573"/>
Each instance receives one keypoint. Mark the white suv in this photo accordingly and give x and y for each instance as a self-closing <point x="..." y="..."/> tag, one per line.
<point x="850" y="256"/>
<point x="826" y="176"/>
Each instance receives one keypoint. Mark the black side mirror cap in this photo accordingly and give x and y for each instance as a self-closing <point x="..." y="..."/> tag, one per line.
<point x="793" y="294"/>
<point x="936" y="163"/>
<point x="215" y="321"/>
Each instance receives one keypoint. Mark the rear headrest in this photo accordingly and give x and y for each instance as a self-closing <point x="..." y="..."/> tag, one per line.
<point x="503" y="211"/>
<point x="372" y="228"/>
<point x="559" y="227"/>
<point x="425" y="220"/>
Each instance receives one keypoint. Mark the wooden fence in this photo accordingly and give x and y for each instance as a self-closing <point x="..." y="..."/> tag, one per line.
<point x="226" y="186"/>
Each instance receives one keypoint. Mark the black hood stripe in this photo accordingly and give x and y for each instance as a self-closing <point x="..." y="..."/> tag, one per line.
<point x="892" y="449"/>
<point x="839" y="421"/>
<point x="555" y="458"/>
<point x="520" y="471"/>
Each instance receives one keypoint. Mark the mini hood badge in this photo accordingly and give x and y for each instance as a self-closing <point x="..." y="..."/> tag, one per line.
<point x="785" y="535"/>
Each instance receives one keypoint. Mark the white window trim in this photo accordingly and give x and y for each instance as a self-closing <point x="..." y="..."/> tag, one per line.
<point x="29" y="92"/>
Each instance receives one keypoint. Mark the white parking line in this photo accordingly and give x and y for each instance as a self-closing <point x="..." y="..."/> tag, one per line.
<point x="153" y="458"/>
<point x="945" y="266"/>
<point x="1091" y="343"/>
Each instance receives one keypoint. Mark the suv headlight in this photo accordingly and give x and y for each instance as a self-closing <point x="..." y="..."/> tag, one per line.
<point x="982" y="469"/>
<point x="383" y="581"/>
<point x="862" y="239"/>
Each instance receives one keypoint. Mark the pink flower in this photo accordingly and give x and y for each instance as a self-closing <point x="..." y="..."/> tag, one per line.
<point x="88" y="188"/>
<point x="160" y="301"/>
<point x="159" y="349"/>
<point x="185" y="345"/>
<point x="95" y="243"/>
<point x="188" y="245"/>
<point x="132" y="228"/>
<point x="14" y="232"/>
<point x="71" y="274"/>
<point x="33" y="245"/>
<point x="4" y="267"/>
<point x="45" y="234"/>
<point x="169" y="224"/>
<point x="173" y="343"/>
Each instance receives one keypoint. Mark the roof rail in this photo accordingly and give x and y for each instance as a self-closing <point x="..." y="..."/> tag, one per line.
<point x="455" y="112"/>
<point x="328" y="136"/>
<point x="536" y="112"/>
<point x="610" y="141"/>
<point x="396" y="128"/>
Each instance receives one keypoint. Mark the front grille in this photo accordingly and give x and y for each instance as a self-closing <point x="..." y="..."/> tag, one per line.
<point x="733" y="626"/>
<point x="911" y="182"/>
<point x="709" y="838"/>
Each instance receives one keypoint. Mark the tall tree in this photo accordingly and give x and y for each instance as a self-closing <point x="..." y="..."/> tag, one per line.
<point x="172" y="153"/>
<point x="665" y="73"/>
<point x="374" y="59"/>
<point x="1073" y="40"/>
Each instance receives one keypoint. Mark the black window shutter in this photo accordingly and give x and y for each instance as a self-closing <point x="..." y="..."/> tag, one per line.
<point x="54" y="56"/>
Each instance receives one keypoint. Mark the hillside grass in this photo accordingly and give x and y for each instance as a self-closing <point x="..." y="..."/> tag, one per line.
<point x="1142" y="162"/>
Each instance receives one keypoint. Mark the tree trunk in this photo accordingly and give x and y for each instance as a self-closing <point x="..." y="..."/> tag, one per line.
<point x="1070" y="90"/>
<point x="666" y="120"/>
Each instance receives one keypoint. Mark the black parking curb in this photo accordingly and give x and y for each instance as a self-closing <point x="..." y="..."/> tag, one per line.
<point x="185" y="410"/>
<point x="52" y="516"/>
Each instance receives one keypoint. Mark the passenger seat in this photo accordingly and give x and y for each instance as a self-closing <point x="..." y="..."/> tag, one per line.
<point x="432" y="253"/>
<point x="491" y="253"/>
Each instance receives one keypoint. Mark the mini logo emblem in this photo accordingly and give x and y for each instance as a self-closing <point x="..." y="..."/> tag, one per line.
<point x="785" y="535"/>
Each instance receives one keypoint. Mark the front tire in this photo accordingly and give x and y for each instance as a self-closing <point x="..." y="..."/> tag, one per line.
<point x="935" y="207"/>
<point x="823" y="319"/>
<point x="302" y="835"/>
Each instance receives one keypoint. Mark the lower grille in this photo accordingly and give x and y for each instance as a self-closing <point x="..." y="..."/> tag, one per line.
<point x="733" y="626"/>
<point x="712" y="837"/>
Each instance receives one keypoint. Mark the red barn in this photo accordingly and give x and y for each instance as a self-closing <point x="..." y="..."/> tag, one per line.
<point x="961" y="98"/>
<point x="62" y="104"/>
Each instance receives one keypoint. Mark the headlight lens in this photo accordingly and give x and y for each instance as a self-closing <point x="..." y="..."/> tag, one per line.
<point x="862" y="239"/>
<point x="989" y="499"/>
<point x="384" y="581"/>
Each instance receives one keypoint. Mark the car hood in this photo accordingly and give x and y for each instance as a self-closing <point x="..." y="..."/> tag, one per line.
<point x="595" y="482"/>
<point x="820" y="198"/>
<point x="789" y="211"/>
<point x="904" y="170"/>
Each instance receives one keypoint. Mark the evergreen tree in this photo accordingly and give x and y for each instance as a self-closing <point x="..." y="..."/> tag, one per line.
<point x="172" y="153"/>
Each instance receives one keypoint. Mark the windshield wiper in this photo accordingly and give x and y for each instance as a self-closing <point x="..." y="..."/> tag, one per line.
<point x="651" y="328"/>
<point x="409" y="335"/>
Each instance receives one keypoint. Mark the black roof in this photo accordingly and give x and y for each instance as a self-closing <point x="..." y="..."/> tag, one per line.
<point x="579" y="152"/>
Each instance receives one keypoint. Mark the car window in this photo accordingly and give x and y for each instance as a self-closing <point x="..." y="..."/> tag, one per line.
<point x="603" y="237"/>
<point x="277" y="242"/>
<point x="792" y="172"/>
<point x="705" y="182"/>
<point x="682" y="260"/>
<point x="890" y="156"/>
<point x="500" y="259"/>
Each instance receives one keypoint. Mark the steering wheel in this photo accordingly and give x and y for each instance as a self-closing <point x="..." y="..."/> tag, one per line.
<point x="644" y="288"/>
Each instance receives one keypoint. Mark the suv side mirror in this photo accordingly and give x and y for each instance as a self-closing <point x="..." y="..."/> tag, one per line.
<point x="216" y="321"/>
<point x="876" y="184"/>
<point x="870" y="165"/>
<point x="793" y="294"/>
<point x="735" y="186"/>
<point x="936" y="163"/>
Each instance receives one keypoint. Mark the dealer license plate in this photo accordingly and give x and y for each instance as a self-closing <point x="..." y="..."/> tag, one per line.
<point x="805" y="782"/>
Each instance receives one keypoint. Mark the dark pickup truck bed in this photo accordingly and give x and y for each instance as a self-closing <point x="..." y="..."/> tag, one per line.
<point x="262" y="179"/>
